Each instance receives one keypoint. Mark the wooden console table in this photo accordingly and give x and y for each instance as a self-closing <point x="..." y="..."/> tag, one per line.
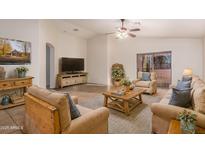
<point x="15" y="84"/>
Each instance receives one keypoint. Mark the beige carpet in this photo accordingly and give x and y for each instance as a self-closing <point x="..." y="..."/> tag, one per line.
<point x="139" y="120"/>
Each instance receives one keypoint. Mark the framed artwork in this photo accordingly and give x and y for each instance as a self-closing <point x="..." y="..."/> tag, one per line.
<point x="14" y="52"/>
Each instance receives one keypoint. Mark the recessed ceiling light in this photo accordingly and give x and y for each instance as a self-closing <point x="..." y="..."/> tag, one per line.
<point x="75" y="29"/>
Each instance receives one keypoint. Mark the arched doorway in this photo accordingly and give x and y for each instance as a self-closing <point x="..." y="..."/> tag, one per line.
<point x="50" y="72"/>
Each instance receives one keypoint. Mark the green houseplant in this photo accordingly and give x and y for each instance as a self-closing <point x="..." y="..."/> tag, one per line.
<point x="21" y="71"/>
<point x="118" y="74"/>
<point x="126" y="83"/>
<point x="187" y="122"/>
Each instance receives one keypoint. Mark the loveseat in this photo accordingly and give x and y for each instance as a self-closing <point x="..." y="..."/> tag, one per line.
<point x="163" y="113"/>
<point x="49" y="112"/>
<point x="149" y="86"/>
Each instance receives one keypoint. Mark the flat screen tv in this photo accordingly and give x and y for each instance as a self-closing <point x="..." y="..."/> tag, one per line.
<point x="72" y="64"/>
<point x="14" y="52"/>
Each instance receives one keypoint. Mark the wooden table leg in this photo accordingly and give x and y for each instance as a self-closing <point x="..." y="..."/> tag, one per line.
<point x="105" y="101"/>
<point x="140" y="98"/>
<point x="126" y="108"/>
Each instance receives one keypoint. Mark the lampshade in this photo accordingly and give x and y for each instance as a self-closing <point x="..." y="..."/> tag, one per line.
<point x="187" y="71"/>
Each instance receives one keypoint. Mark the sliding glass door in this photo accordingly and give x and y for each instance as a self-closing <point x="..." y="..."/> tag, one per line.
<point x="160" y="62"/>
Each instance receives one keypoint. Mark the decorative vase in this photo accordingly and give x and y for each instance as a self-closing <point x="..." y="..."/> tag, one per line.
<point x="117" y="83"/>
<point x="21" y="74"/>
<point x="5" y="100"/>
<point x="187" y="127"/>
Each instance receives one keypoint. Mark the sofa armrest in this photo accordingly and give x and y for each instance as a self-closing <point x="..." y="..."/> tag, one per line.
<point x="153" y="83"/>
<point x="88" y="122"/>
<point x="75" y="99"/>
<point x="170" y="112"/>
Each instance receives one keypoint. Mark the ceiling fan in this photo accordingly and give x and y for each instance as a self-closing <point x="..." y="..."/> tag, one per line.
<point x="124" y="32"/>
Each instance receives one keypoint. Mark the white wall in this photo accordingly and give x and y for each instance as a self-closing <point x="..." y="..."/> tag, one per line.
<point x="203" y="58"/>
<point x="103" y="52"/>
<point x="40" y="32"/>
<point x="97" y="60"/>
<point x="25" y="30"/>
<point x="66" y="45"/>
<point x="185" y="53"/>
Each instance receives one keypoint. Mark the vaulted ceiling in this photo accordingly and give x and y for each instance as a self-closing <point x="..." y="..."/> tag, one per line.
<point x="169" y="28"/>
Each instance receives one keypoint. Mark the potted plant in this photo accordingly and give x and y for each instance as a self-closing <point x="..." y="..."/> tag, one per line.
<point x="117" y="74"/>
<point x="187" y="122"/>
<point x="126" y="83"/>
<point x="21" y="71"/>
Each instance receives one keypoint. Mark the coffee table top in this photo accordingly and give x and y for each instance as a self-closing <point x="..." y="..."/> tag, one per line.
<point x="131" y="94"/>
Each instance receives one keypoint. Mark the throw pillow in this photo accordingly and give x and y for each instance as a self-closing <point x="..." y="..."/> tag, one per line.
<point x="146" y="76"/>
<point x="181" y="98"/>
<point x="182" y="85"/>
<point x="74" y="112"/>
<point x="186" y="78"/>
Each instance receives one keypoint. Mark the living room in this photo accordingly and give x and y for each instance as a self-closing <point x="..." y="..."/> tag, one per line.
<point x="99" y="49"/>
<point x="102" y="76"/>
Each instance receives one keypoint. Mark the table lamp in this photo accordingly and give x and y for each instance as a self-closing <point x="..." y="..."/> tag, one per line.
<point x="187" y="72"/>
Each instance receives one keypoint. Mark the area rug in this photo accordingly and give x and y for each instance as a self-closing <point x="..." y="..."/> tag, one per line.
<point x="139" y="120"/>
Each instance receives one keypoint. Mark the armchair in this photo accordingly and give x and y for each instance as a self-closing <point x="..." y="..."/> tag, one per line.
<point x="48" y="112"/>
<point x="150" y="86"/>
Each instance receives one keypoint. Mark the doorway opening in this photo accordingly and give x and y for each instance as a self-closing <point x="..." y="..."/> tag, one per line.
<point x="50" y="69"/>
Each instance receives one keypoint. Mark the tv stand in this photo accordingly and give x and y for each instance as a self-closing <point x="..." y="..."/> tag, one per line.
<point x="68" y="79"/>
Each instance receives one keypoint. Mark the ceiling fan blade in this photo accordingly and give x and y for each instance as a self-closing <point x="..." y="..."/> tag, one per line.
<point x="132" y="35"/>
<point x="134" y="30"/>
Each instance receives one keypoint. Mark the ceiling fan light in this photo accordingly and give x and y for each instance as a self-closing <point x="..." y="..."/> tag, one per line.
<point x="122" y="34"/>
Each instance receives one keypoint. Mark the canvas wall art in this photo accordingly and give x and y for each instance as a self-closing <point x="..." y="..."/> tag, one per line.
<point x="14" y="52"/>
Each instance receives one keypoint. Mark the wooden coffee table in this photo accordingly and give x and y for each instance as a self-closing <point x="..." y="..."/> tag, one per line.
<point x="124" y="103"/>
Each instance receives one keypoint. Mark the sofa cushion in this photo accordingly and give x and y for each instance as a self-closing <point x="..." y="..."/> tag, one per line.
<point x="186" y="78"/>
<point x="146" y="76"/>
<point x="59" y="100"/>
<point x="139" y="75"/>
<point x="83" y="110"/>
<point x="183" y="84"/>
<point x="74" y="112"/>
<point x="199" y="99"/>
<point x="181" y="98"/>
<point x="144" y="84"/>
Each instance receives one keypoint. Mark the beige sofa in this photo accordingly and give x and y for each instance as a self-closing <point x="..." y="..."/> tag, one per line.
<point x="150" y="86"/>
<point x="49" y="112"/>
<point x="163" y="113"/>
